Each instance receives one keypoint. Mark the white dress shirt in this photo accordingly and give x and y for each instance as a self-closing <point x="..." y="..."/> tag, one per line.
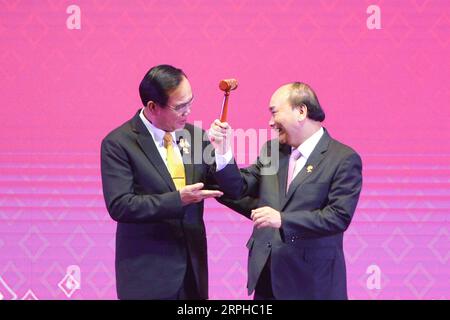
<point x="158" y="137"/>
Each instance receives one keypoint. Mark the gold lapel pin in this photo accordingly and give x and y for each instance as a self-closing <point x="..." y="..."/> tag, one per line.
<point x="309" y="168"/>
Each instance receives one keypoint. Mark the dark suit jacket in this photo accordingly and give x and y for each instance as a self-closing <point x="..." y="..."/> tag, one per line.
<point x="155" y="233"/>
<point x="307" y="258"/>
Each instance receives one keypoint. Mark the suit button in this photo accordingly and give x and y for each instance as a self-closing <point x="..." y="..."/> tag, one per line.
<point x="292" y="238"/>
<point x="269" y="245"/>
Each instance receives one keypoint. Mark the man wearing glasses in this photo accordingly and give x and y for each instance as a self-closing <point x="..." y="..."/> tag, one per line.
<point x="154" y="191"/>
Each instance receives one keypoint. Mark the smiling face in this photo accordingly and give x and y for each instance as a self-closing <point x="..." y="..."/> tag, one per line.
<point x="173" y="115"/>
<point x="285" y="119"/>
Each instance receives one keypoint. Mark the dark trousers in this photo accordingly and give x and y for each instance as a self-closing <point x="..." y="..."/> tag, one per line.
<point x="263" y="289"/>
<point x="188" y="290"/>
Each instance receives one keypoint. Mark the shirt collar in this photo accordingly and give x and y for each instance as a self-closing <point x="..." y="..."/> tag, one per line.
<point x="157" y="134"/>
<point x="307" y="147"/>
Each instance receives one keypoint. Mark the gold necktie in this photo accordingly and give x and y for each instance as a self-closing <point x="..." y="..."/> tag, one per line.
<point x="174" y="163"/>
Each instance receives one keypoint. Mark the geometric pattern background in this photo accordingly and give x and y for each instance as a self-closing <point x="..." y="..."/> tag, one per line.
<point x="385" y="93"/>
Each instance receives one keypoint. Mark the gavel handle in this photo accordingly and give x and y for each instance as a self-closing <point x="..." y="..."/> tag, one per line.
<point x="223" y="115"/>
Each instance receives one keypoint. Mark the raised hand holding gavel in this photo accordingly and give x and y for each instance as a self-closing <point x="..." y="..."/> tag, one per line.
<point x="220" y="131"/>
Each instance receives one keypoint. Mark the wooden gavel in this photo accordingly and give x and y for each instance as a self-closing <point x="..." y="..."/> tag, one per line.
<point x="226" y="85"/>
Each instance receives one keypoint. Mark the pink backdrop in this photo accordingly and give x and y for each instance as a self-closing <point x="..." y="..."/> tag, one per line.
<point x="385" y="93"/>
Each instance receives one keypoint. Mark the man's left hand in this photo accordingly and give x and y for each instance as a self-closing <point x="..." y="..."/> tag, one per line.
<point x="266" y="217"/>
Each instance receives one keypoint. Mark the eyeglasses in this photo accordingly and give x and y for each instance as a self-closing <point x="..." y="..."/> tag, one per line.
<point x="181" y="108"/>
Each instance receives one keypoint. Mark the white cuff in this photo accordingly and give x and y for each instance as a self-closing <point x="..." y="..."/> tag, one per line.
<point x="223" y="159"/>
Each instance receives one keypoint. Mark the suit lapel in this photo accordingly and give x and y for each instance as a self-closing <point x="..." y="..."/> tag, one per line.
<point x="310" y="166"/>
<point x="147" y="144"/>
<point x="285" y="151"/>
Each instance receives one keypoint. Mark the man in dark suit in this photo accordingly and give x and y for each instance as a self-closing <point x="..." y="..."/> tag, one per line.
<point x="301" y="195"/>
<point x="154" y="191"/>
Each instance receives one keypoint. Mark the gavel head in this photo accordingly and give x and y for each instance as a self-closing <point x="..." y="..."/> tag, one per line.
<point x="228" y="84"/>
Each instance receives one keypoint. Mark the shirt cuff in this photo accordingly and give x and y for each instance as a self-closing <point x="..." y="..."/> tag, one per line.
<point x="223" y="159"/>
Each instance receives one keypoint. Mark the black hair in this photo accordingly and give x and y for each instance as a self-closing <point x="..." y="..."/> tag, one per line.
<point x="158" y="82"/>
<point x="303" y="94"/>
